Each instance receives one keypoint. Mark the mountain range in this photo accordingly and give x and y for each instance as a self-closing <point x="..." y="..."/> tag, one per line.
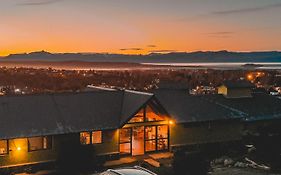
<point x="174" y="57"/>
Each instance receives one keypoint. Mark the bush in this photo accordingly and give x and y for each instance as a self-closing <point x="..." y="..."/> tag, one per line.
<point x="193" y="163"/>
<point x="74" y="158"/>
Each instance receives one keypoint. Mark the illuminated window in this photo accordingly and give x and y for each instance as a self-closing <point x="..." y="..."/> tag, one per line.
<point x="139" y="117"/>
<point x="150" y="132"/>
<point x="85" y="138"/>
<point x="96" y="137"/>
<point x="162" y="137"/>
<point x="4" y="147"/>
<point x="150" y="145"/>
<point x="151" y="115"/>
<point x="125" y="140"/>
<point x="39" y="143"/>
<point x="162" y="144"/>
<point x="162" y="131"/>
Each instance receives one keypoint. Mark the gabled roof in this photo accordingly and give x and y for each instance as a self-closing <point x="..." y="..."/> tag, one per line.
<point x="238" y="84"/>
<point x="50" y="114"/>
<point x="133" y="100"/>
<point x="185" y="108"/>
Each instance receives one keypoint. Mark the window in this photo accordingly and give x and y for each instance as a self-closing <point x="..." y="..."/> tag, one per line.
<point x="156" y="138"/>
<point x="4" y="148"/>
<point x="139" y="117"/>
<point x="150" y="138"/>
<point x="125" y="140"/>
<point x="96" y="137"/>
<point x="151" y="115"/>
<point x="39" y="143"/>
<point x="162" y="137"/>
<point x="87" y="138"/>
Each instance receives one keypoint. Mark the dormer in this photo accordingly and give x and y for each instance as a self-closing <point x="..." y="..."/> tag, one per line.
<point x="236" y="89"/>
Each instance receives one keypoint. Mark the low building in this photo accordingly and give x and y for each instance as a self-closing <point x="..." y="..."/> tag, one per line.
<point x="35" y="128"/>
<point x="236" y="89"/>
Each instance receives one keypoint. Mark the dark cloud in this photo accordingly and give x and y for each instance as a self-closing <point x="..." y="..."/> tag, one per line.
<point x="38" y="2"/>
<point x="247" y="10"/>
<point x="151" y="45"/>
<point x="221" y="34"/>
<point x="131" y="49"/>
<point x="162" y="51"/>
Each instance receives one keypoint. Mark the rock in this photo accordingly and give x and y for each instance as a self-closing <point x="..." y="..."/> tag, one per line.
<point x="240" y="165"/>
<point x="228" y="162"/>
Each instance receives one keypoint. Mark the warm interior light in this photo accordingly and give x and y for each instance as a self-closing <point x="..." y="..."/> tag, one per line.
<point x="18" y="148"/>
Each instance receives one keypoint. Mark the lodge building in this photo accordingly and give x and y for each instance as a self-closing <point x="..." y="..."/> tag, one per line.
<point x="34" y="128"/>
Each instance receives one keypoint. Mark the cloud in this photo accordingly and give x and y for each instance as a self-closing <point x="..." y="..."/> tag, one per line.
<point x="131" y="49"/>
<point x="247" y="10"/>
<point x="151" y="45"/>
<point x="37" y="2"/>
<point x="162" y="51"/>
<point x="220" y="34"/>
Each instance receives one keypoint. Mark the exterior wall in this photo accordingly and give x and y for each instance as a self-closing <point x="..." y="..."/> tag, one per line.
<point x="23" y="156"/>
<point x="239" y="92"/>
<point x="202" y="133"/>
<point x="110" y="143"/>
<point x="234" y="92"/>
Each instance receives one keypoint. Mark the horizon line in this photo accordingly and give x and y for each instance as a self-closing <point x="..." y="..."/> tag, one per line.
<point x="142" y="54"/>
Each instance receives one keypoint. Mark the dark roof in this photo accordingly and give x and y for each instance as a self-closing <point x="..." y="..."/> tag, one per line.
<point x="185" y="108"/>
<point x="50" y="114"/>
<point x="259" y="107"/>
<point x="238" y="84"/>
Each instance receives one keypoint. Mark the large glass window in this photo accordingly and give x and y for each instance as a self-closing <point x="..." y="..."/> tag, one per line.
<point x="156" y="138"/>
<point x="4" y="147"/>
<point x="162" y="131"/>
<point x="39" y="143"/>
<point x="94" y="137"/>
<point x="125" y="140"/>
<point x="162" y="137"/>
<point x="151" y="115"/>
<point x="150" y="132"/>
<point x="139" y="117"/>
<point x="150" y="138"/>
<point x="150" y="145"/>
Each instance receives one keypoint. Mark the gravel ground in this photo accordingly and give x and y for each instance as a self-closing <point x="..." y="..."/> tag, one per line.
<point x="240" y="171"/>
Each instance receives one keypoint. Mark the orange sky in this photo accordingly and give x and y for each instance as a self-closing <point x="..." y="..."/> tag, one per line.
<point x="131" y="26"/>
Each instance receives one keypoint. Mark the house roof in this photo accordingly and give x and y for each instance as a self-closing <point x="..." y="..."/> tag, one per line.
<point x="259" y="107"/>
<point x="238" y="84"/>
<point x="50" y="114"/>
<point x="185" y="108"/>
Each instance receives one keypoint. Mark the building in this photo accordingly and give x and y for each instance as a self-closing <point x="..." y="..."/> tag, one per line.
<point x="35" y="128"/>
<point x="236" y="89"/>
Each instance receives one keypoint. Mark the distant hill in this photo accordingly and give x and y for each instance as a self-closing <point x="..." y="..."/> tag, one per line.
<point x="176" y="57"/>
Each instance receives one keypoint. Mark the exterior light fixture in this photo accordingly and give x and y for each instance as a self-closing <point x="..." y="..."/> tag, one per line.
<point x="171" y="122"/>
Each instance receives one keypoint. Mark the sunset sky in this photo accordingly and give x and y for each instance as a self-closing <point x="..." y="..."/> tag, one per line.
<point x="139" y="26"/>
